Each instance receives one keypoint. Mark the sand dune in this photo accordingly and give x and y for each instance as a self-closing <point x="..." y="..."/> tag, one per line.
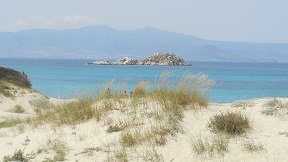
<point x="90" y="139"/>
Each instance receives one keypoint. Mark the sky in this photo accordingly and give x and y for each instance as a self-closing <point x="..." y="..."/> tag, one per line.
<point x="225" y="20"/>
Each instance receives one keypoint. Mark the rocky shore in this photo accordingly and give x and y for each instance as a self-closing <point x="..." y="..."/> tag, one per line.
<point x="162" y="59"/>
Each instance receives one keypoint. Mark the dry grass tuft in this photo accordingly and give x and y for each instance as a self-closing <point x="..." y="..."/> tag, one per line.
<point x="187" y="93"/>
<point x="128" y="139"/>
<point x="71" y="113"/>
<point x="58" y="148"/>
<point x="275" y="107"/>
<point x="17" y="109"/>
<point x="17" y="156"/>
<point x="203" y="146"/>
<point x="141" y="89"/>
<point x="232" y="123"/>
<point x="252" y="146"/>
<point x="5" y="89"/>
<point x="11" y="122"/>
<point x="115" y="128"/>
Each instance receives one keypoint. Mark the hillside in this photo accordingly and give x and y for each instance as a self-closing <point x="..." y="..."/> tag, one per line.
<point x="103" y="42"/>
<point x="14" y="77"/>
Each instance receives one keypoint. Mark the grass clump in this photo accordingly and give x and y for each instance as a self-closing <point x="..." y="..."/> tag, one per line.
<point x="71" y="113"/>
<point x="110" y="89"/>
<point x="58" y="148"/>
<point x="128" y="139"/>
<point x="10" y="122"/>
<point x="121" y="155"/>
<point x="17" y="109"/>
<point x="40" y="102"/>
<point x="275" y="107"/>
<point x="202" y="145"/>
<point x="115" y="128"/>
<point x="141" y="89"/>
<point x="188" y="91"/>
<point x="5" y="89"/>
<point x="273" y="103"/>
<point x="232" y="123"/>
<point x="285" y="133"/>
<point x="17" y="156"/>
<point x="252" y="146"/>
<point x="151" y="155"/>
<point x="90" y="151"/>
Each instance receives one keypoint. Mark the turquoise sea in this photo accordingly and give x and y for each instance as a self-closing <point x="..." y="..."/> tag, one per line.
<point x="234" y="80"/>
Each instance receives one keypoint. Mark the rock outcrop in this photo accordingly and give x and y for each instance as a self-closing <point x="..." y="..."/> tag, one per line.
<point x="166" y="59"/>
<point x="126" y="61"/>
<point x="101" y="62"/>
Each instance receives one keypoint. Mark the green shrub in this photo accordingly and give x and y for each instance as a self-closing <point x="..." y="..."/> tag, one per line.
<point x="232" y="123"/>
<point x="17" y="156"/>
<point x="15" y="77"/>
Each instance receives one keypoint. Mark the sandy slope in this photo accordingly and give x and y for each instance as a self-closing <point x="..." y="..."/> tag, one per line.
<point x="89" y="141"/>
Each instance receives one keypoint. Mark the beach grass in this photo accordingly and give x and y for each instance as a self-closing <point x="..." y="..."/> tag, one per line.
<point x="232" y="123"/>
<point x="251" y="145"/>
<point x="205" y="146"/>
<point x="145" y="117"/>
<point x="10" y="122"/>
<point x="17" y="156"/>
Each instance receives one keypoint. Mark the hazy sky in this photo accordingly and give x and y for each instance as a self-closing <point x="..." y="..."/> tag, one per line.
<point x="231" y="20"/>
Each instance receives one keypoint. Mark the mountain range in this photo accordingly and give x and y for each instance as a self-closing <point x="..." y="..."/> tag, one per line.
<point x="104" y="42"/>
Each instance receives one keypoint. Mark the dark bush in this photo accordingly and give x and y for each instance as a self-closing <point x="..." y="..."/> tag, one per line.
<point x="230" y="123"/>
<point x="14" y="77"/>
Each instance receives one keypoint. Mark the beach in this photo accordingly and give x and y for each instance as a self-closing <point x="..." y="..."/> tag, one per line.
<point x="94" y="139"/>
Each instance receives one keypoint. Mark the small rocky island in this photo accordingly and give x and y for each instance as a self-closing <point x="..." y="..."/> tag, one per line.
<point x="162" y="59"/>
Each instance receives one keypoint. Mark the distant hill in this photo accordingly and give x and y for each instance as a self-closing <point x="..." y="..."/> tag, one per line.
<point x="103" y="42"/>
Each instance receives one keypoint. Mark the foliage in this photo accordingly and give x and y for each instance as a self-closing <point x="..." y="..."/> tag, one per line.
<point x="140" y="89"/>
<point x="232" y="123"/>
<point x="18" y="109"/>
<point x="10" y="122"/>
<point x="275" y="107"/>
<point x="17" y="156"/>
<point x="204" y="146"/>
<point x="15" y="77"/>
<point x="252" y="146"/>
<point x="69" y="113"/>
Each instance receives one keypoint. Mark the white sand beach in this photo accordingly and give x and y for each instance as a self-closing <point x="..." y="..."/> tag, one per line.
<point x="91" y="140"/>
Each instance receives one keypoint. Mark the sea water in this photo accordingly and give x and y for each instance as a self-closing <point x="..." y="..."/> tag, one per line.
<point x="62" y="78"/>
